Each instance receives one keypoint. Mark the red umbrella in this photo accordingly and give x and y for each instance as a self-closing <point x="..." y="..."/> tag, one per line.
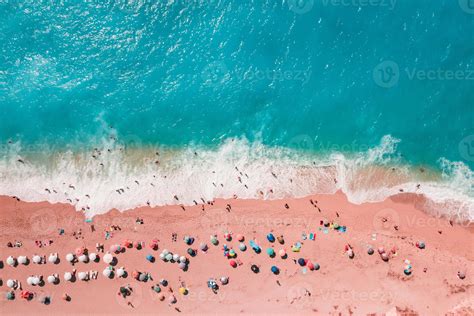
<point x="233" y="264"/>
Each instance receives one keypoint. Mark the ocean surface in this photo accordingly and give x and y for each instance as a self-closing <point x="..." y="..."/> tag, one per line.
<point x="116" y="104"/>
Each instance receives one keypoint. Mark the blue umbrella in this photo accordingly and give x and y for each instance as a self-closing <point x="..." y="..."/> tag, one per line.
<point x="275" y="270"/>
<point x="270" y="237"/>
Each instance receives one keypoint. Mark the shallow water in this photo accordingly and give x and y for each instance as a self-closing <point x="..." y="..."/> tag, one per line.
<point x="333" y="81"/>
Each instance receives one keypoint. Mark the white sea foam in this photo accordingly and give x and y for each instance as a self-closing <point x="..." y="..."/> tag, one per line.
<point x="124" y="178"/>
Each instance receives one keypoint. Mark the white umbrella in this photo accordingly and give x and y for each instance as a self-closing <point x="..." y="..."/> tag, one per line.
<point x="175" y="257"/>
<point x="182" y="259"/>
<point x="68" y="276"/>
<point x="120" y="272"/>
<point x="82" y="275"/>
<point x="22" y="259"/>
<point x="11" y="283"/>
<point x="83" y="258"/>
<point x="107" y="272"/>
<point x="51" y="279"/>
<point x="182" y="265"/>
<point x="36" y="259"/>
<point x="70" y="257"/>
<point x="169" y="257"/>
<point x="36" y="280"/>
<point x="162" y="256"/>
<point x="108" y="258"/>
<point x="92" y="256"/>
<point x="11" y="261"/>
<point x="29" y="280"/>
<point x="52" y="258"/>
<point x="165" y="252"/>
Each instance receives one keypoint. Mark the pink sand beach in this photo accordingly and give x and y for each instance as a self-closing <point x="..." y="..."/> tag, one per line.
<point x="328" y="228"/>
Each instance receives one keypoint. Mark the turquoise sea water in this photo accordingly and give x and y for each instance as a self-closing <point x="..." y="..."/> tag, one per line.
<point x="320" y="76"/>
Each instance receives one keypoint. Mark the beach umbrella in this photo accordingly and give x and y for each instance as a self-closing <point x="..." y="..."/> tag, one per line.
<point x="381" y="250"/>
<point x="36" y="280"/>
<point x="108" y="258"/>
<point x="310" y="265"/>
<point x="127" y="243"/>
<point x="175" y="257"/>
<point x="52" y="258"/>
<point x="214" y="240"/>
<point x="183" y="259"/>
<point x="137" y="245"/>
<point x="384" y="256"/>
<point x="68" y="276"/>
<point x="316" y="266"/>
<point x="11" y="283"/>
<point x="183" y="291"/>
<point x="182" y="265"/>
<point x="461" y="275"/>
<point x="275" y="270"/>
<point x="254" y="268"/>
<point x="165" y="252"/>
<point x="240" y="237"/>
<point x="281" y="240"/>
<point x="301" y="262"/>
<point x="157" y="288"/>
<point x="270" y="237"/>
<point x="82" y="276"/>
<point x="370" y="251"/>
<point x="36" y="259"/>
<point x="120" y="272"/>
<point x="232" y="253"/>
<point x="136" y="274"/>
<point x="51" y="279"/>
<point x="83" y="258"/>
<point x="191" y="252"/>
<point x="22" y="260"/>
<point x="70" y="257"/>
<point x="150" y="258"/>
<point x="188" y="240"/>
<point x="169" y="257"/>
<point x="228" y="236"/>
<point x="115" y="248"/>
<point x="282" y="253"/>
<point x="143" y="277"/>
<point x="79" y="251"/>
<point x="242" y="246"/>
<point x="421" y="245"/>
<point x="232" y="263"/>
<point x="271" y="252"/>
<point x="203" y="247"/>
<point x="10" y="295"/>
<point x="164" y="282"/>
<point x="93" y="256"/>
<point x="29" y="280"/>
<point x="224" y="280"/>
<point x="107" y="272"/>
<point x="162" y="256"/>
<point x="11" y="261"/>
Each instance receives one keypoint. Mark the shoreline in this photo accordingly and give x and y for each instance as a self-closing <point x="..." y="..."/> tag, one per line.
<point x="362" y="285"/>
